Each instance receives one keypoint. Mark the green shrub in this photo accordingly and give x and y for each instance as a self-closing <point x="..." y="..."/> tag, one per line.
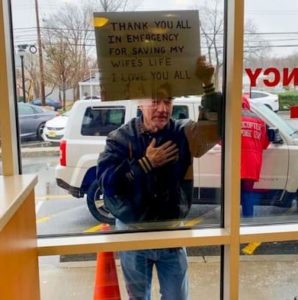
<point x="287" y="99"/>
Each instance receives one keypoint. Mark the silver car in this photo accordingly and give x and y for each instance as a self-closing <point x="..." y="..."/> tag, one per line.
<point x="32" y="120"/>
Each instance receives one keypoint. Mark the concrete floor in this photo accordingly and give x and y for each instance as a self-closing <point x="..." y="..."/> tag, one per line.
<point x="273" y="277"/>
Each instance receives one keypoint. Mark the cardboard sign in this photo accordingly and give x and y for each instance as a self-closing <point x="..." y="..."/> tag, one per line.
<point x="138" y="52"/>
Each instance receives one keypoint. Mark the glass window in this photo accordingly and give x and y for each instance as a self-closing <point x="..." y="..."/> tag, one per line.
<point x="25" y="109"/>
<point x="268" y="270"/>
<point x="257" y="94"/>
<point x="69" y="181"/>
<point x="101" y="121"/>
<point x="270" y="194"/>
<point x="180" y="112"/>
<point x="68" y="199"/>
<point x="203" y="266"/>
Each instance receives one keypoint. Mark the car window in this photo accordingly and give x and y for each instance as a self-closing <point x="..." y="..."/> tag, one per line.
<point x="273" y="118"/>
<point x="180" y="112"/>
<point x="102" y="120"/>
<point x="36" y="102"/>
<point x="25" y="109"/>
<point x="38" y="110"/>
<point x="257" y="95"/>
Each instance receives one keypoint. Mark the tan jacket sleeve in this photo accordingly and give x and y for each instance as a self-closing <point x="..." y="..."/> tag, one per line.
<point x="201" y="135"/>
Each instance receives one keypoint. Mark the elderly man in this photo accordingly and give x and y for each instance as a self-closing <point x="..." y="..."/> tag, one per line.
<point x="146" y="175"/>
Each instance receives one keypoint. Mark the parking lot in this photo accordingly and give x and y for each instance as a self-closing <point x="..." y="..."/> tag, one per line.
<point x="60" y="213"/>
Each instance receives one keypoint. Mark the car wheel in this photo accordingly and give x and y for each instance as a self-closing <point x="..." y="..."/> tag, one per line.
<point x="96" y="206"/>
<point x="40" y="131"/>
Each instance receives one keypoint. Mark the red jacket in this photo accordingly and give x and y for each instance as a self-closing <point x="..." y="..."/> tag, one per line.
<point x="253" y="141"/>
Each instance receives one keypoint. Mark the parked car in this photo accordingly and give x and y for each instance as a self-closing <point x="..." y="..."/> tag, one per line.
<point x="32" y="119"/>
<point x="56" y="104"/>
<point x="270" y="100"/>
<point x="91" y="121"/>
<point x="54" y="129"/>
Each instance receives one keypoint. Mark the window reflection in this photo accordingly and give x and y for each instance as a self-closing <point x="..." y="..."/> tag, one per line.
<point x="66" y="188"/>
<point x="276" y="204"/>
<point x="274" y="193"/>
<point x="145" y="170"/>
<point x="269" y="271"/>
<point x="269" y="84"/>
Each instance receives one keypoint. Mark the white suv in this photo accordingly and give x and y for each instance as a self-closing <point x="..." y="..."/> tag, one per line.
<point x="90" y="122"/>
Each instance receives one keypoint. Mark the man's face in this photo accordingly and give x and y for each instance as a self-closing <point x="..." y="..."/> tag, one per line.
<point x="157" y="112"/>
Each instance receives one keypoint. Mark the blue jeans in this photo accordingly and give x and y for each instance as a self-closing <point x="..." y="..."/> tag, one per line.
<point x="171" y="266"/>
<point x="249" y="198"/>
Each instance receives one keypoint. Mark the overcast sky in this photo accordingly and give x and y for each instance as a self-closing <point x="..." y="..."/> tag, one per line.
<point x="277" y="16"/>
<point x="267" y="14"/>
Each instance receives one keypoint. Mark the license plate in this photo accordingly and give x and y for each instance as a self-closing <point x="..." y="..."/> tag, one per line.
<point x="52" y="134"/>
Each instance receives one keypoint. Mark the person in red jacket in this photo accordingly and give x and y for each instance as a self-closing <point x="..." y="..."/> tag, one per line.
<point x="254" y="140"/>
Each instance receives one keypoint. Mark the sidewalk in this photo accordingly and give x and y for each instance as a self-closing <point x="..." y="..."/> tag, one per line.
<point x="40" y="151"/>
<point x="262" y="277"/>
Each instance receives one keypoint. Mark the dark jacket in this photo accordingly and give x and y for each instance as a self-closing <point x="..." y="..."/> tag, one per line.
<point x="133" y="191"/>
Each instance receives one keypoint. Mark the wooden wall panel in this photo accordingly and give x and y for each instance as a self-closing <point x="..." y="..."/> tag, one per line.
<point x="19" y="276"/>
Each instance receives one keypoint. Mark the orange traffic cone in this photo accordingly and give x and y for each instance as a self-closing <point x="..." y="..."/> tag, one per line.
<point x="106" y="280"/>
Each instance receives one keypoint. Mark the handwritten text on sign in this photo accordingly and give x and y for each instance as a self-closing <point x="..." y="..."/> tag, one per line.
<point x="139" y="51"/>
